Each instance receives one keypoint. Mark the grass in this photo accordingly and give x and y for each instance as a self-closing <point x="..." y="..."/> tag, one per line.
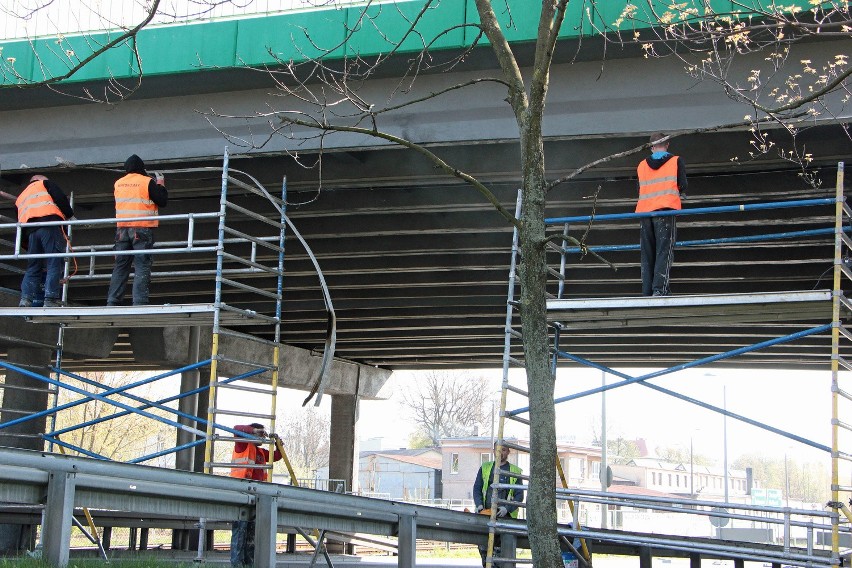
<point x="27" y="562"/>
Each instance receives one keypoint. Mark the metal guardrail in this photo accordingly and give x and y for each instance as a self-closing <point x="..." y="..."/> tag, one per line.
<point x="27" y="476"/>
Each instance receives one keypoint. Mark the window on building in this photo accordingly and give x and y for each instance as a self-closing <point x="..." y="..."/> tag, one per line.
<point x="596" y="470"/>
<point x="670" y="480"/>
<point x="577" y="467"/>
<point x="454" y="463"/>
<point x="677" y="480"/>
<point x="485" y="457"/>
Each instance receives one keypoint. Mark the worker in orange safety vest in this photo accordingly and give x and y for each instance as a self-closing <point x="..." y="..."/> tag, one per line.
<point x="662" y="184"/>
<point x="42" y="201"/>
<point x="138" y="197"/>
<point x="249" y="453"/>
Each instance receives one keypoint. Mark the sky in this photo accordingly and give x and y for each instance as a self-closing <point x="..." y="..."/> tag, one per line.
<point x="795" y="401"/>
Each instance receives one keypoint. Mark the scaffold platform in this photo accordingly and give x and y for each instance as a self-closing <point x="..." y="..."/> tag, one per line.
<point x="138" y="316"/>
<point x="769" y="307"/>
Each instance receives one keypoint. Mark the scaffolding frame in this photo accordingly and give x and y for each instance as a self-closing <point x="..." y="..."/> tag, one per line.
<point x="219" y="313"/>
<point x="565" y="315"/>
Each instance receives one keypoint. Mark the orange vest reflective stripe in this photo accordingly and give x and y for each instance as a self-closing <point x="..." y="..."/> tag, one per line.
<point x="132" y="200"/>
<point x="35" y="201"/>
<point x="658" y="188"/>
<point x="246" y="457"/>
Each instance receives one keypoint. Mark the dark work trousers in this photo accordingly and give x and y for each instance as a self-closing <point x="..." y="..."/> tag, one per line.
<point x="44" y="240"/>
<point x="131" y="238"/>
<point x="242" y="543"/>
<point x="656" y="241"/>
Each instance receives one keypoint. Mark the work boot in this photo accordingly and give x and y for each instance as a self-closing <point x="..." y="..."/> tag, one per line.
<point x="52" y="303"/>
<point x="25" y="303"/>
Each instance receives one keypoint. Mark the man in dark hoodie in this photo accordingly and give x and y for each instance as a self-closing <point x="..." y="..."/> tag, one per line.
<point x="137" y="195"/>
<point x="41" y="201"/>
<point x="662" y="181"/>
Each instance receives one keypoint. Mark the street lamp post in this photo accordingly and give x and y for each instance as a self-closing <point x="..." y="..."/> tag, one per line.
<point x="603" y="470"/>
<point x="786" y="482"/>
<point x="691" y="471"/>
<point x="725" y="439"/>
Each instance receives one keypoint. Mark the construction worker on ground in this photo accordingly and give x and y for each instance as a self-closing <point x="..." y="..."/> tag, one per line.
<point x="136" y="195"/>
<point x="662" y="183"/>
<point x="42" y="200"/>
<point x="482" y="493"/>
<point x="249" y="453"/>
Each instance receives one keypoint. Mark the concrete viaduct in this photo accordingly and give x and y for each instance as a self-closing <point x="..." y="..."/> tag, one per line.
<point x="416" y="262"/>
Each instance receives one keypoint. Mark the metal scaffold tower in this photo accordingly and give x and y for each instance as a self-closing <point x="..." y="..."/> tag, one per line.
<point x="245" y="265"/>
<point x="821" y="313"/>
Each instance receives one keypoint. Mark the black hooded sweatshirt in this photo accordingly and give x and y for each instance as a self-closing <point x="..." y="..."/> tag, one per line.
<point x="657" y="163"/>
<point x="59" y="198"/>
<point x="157" y="193"/>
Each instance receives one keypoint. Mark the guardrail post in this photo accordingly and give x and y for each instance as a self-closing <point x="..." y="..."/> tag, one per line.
<point x="58" y="510"/>
<point x="407" y="542"/>
<point x="508" y="546"/>
<point x="265" y="531"/>
<point x="694" y="560"/>
<point x="645" y="557"/>
<point x="787" y="530"/>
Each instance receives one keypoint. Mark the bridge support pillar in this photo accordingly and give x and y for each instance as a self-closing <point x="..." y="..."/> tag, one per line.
<point x="407" y="542"/>
<point x="186" y="539"/>
<point x="342" y="459"/>
<point x="58" y="510"/>
<point x="23" y="395"/>
<point x="343" y="450"/>
<point x="265" y="531"/>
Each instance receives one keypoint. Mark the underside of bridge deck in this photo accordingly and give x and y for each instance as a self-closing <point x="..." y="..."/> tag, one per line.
<point x="417" y="264"/>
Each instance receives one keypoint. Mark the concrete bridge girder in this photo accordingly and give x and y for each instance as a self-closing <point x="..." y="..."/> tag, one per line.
<point x="298" y="368"/>
<point x="15" y="332"/>
<point x="586" y="99"/>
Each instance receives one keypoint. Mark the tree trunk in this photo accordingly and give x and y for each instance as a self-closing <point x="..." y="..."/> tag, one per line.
<point x="541" y="499"/>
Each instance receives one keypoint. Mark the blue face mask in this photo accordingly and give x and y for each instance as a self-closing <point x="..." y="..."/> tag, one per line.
<point x="659" y="155"/>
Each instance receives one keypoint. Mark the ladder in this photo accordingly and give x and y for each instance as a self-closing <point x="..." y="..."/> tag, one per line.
<point x="240" y="352"/>
<point x="514" y="387"/>
<point x="841" y="384"/>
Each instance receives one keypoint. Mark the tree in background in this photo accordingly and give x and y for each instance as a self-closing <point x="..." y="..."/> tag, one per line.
<point x="805" y="481"/>
<point x="121" y="438"/>
<point x="443" y="404"/>
<point x="622" y="450"/>
<point x="305" y="433"/>
<point x="680" y="454"/>
<point x="619" y="449"/>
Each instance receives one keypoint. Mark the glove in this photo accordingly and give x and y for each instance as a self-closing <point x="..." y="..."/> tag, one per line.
<point x="502" y="512"/>
<point x="479" y="508"/>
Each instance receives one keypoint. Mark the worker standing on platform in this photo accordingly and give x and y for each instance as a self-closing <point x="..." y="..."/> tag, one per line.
<point x="136" y="195"/>
<point x="43" y="200"/>
<point x="482" y="492"/>
<point x="662" y="183"/>
<point x="249" y="453"/>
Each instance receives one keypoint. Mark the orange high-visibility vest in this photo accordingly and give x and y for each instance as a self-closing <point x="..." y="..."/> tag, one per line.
<point x="246" y="457"/>
<point x="132" y="200"/>
<point x="35" y="201"/>
<point x="658" y="188"/>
